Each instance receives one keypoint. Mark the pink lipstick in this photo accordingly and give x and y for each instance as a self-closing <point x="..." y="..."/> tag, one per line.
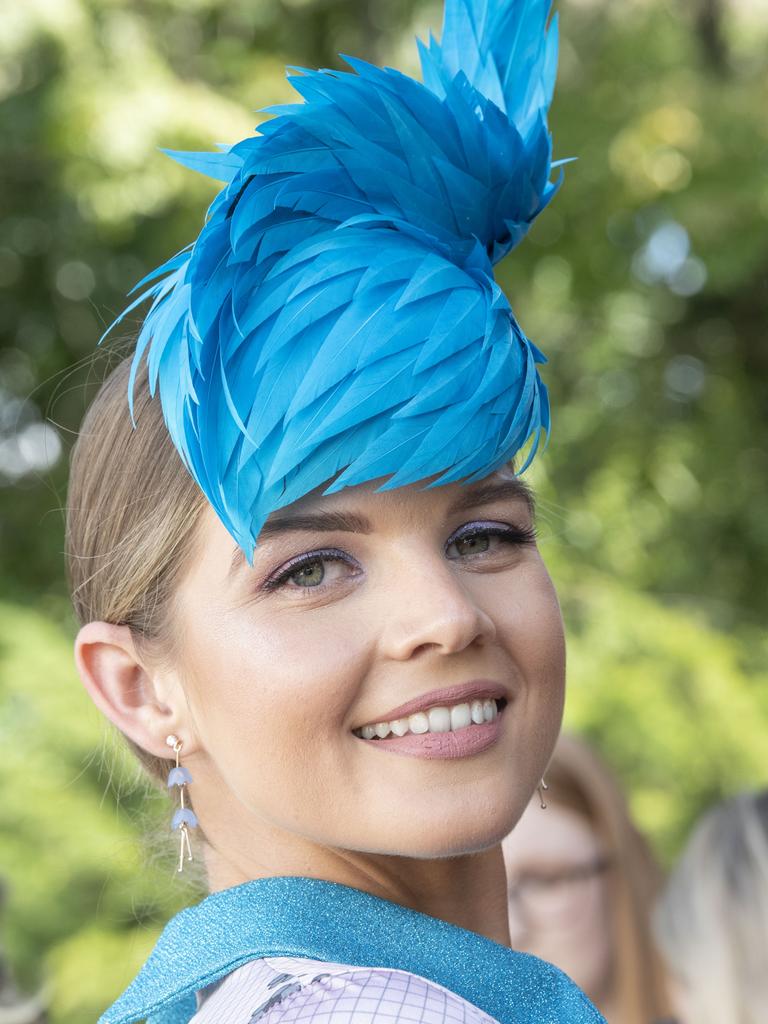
<point x="481" y="689"/>
<point x="449" y="745"/>
<point x="453" y="722"/>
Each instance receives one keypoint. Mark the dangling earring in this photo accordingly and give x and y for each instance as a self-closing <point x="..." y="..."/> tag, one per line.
<point x="185" y="817"/>
<point x="542" y="786"/>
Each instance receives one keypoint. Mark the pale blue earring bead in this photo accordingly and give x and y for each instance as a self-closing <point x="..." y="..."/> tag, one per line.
<point x="184" y="818"/>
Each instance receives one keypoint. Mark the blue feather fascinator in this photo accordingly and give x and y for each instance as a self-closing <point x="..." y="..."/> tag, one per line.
<point x="337" y="318"/>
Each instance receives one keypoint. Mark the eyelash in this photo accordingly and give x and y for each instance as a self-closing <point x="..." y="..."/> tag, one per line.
<point x="517" y="535"/>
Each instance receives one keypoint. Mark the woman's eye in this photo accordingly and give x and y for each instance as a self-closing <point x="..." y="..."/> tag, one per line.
<point x="309" y="575"/>
<point x="319" y="570"/>
<point x="473" y="545"/>
<point x="489" y="540"/>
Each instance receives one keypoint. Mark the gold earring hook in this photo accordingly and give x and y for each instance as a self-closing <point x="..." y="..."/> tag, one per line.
<point x="542" y="786"/>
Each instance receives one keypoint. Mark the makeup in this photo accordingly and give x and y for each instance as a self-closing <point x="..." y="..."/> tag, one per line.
<point x="466" y="742"/>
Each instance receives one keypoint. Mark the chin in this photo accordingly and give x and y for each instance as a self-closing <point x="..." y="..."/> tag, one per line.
<point x="441" y="834"/>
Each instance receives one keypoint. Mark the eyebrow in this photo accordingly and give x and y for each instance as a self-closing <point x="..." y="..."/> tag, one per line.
<point x="350" y="522"/>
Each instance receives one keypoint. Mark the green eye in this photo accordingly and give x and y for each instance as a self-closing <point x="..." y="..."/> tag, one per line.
<point x="475" y="544"/>
<point x="309" y="575"/>
<point x="489" y="539"/>
<point x="315" y="570"/>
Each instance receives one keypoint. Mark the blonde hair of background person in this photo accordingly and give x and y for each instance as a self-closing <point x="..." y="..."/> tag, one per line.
<point x="712" y="921"/>
<point x="597" y="926"/>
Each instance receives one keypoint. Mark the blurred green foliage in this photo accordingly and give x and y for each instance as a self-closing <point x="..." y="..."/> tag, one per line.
<point x="73" y="809"/>
<point x="645" y="283"/>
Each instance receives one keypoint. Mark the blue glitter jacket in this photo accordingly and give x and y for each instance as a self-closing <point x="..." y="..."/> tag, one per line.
<point x="306" y="917"/>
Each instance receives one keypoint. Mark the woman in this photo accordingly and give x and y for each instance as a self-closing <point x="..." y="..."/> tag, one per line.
<point x="582" y="881"/>
<point x="712" y="921"/>
<point x="365" y="687"/>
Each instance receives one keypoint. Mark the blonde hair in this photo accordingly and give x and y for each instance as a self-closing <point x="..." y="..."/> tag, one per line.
<point x="712" y="921"/>
<point x="131" y="518"/>
<point x="580" y="781"/>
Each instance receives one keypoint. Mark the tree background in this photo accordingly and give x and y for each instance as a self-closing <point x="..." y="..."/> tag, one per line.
<point x="646" y="283"/>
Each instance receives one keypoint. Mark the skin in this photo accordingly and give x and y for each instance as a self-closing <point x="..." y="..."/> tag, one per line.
<point x="568" y="924"/>
<point x="274" y="681"/>
<point x="682" y="1000"/>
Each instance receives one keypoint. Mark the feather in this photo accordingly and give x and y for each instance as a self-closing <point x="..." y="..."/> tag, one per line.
<point x="337" y="319"/>
<point x="221" y="166"/>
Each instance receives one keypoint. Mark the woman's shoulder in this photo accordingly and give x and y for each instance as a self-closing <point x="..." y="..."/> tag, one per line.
<point x="280" y="990"/>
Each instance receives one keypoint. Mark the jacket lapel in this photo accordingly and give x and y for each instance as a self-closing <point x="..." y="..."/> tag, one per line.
<point x="321" y="920"/>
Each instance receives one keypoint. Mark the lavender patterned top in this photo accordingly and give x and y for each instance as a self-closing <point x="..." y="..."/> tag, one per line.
<point x="288" y="990"/>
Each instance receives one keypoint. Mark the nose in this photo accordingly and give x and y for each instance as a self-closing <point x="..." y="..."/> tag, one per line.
<point x="432" y="609"/>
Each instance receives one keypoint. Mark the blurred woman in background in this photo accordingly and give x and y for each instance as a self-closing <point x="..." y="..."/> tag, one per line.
<point x="582" y="881"/>
<point x="712" y="921"/>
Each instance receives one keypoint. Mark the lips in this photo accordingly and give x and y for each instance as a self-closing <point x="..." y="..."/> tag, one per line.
<point x="462" y="692"/>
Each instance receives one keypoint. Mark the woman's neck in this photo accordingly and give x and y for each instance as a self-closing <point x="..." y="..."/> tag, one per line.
<point x="468" y="890"/>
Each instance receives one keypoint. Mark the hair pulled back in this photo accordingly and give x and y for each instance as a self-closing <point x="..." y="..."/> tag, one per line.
<point x="131" y="519"/>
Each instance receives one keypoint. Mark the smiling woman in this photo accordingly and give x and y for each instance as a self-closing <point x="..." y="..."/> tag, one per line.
<point x="366" y="690"/>
<point x="166" y="605"/>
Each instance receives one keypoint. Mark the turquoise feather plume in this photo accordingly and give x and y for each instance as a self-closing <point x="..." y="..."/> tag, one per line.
<point x="337" y="319"/>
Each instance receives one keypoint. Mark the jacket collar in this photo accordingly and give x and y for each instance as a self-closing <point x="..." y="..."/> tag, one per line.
<point x="307" y="917"/>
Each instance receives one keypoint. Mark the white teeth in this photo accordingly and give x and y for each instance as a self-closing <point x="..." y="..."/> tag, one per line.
<point x="418" y="723"/>
<point x="442" y="719"/>
<point x="439" y="720"/>
<point x="461" y="716"/>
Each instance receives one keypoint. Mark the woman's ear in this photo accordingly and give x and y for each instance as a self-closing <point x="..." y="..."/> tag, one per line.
<point x="144" y="704"/>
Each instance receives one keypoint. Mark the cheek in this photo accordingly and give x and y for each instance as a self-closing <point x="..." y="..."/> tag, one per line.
<point x="530" y="626"/>
<point x="272" y="698"/>
<point x="282" y="665"/>
<point x="539" y="610"/>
